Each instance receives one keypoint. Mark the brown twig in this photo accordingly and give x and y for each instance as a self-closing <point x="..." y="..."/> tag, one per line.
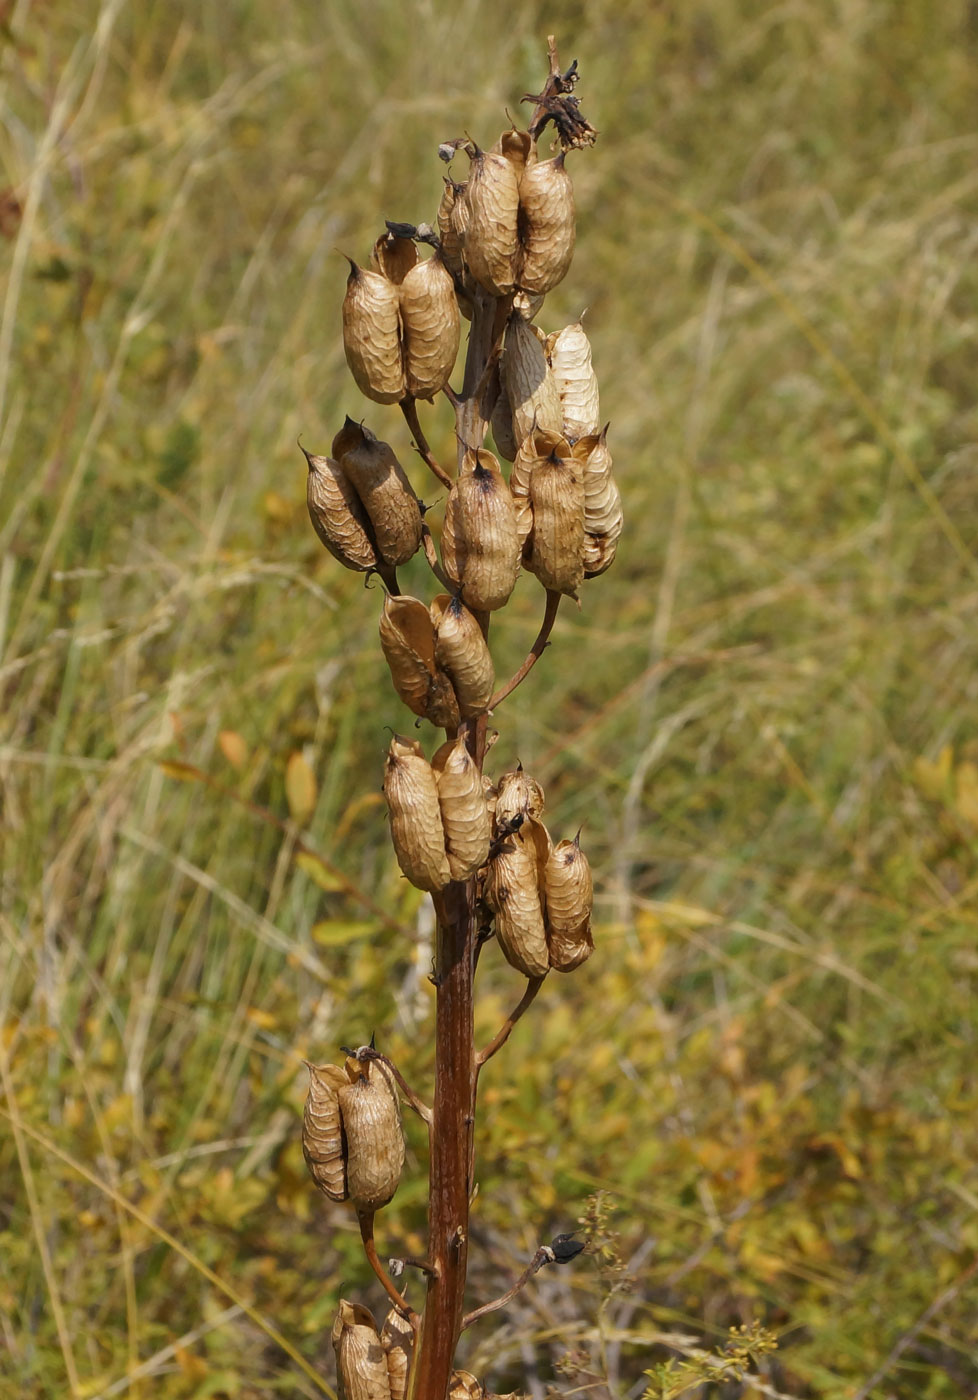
<point x="409" y="1261"/>
<point x="536" y="651"/>
<point x="544" y="1255"/>
<point x="502" y="1035"/>
<point x="409" y="407"/>
<point x="421" y="1109"/>
<point x="366" y="1219"/>
<point x="431" y="554"/>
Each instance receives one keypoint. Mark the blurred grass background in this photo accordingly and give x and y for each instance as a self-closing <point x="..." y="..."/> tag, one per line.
<point x="765" y="715"/>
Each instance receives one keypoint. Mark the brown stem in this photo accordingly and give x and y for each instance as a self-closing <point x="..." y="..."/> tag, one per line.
<point x="409" y="407"/>
<point x="431" y="554"/>
<point x="408" y="1261"/>
<point x="366" y="1219"/>
<point x="502" y="1035"/>
<point x="544" y="1255"/>
<point x="536" y="651"/>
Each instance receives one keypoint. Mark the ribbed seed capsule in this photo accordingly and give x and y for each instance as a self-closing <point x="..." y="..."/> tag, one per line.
<point x="361" y="1364"/>
<point x="453" y="217"/>
<point x="569" y="353"/>
<point x="407" y="636"/>
<point x="337" y="514"/>
<point x="501" y="425"/>
<point x="430" y="323"/>
<point x="382" y="485"/>
<point x="397" y="1339"/>
<point x="569" y="893"/>
<point x="513" y="889"/>
<point x="547" y="225"/>
<point x="418" y="836"/>
<point x="603" y="517"/>
<point x="394" y="257"/>
<point x="465" y="1386"/>
<point x="492" y="238"/>
<point x="464" y="814"/>
<point x="517" y="795"/>
<point x="372" y="335"/>
<point x="529" y="382"/>
<point x="462" y="653"/>
<point x="374" y="1140"/>
<point x="322" y="1130"/>
<point x="555" y="549"/>
<point x="480" y="549"/>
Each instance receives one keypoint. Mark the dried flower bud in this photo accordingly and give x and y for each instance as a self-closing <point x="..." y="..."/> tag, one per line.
<point x="569" y="894"/>
<point x="374" y="1140"/>
<point x="529" y="382"/>
<point x="492" y="239"/>
<point x="517" y="795"/>
<point x="464" y="1386"/>
<point x="462" y="652"/>
<point x="480" y="549"/>
<point x="380" y="481"/>
<point x="464" y="814"/>
<point x="513" y="892"/>
<point x="555" y="549"/>
<point x="407" y="636"/>
<point x="372" y="335"/>
<point x="411" y="790"/>
<point x="322" y="1130"/>
<point x="430" y="322"/>
<point x="547" y="225"/>
<point x="337" y="514"/>
<point x="397" y="1339"/>
<point x="361" y="1365"/>
<point x="569" y="353"/>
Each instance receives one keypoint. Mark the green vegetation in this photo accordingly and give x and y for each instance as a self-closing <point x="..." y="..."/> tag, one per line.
<point x="770" y="1066"/>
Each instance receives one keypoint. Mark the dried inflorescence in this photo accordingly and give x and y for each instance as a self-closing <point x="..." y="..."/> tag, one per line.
<point x="351" y="1132"/>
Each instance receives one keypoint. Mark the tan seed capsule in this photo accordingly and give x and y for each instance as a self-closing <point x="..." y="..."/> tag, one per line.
<point x="517" y="795"/>
<point x="394" y="257"/>
<point x="453" y="217"/>
<point x="547" y="225"/>
<point x="555" y="549"/>
<point x="374" y="1140"/>
<point x="361" y="1364"/>
<point x="337" y="514"/>
<point x="569" y="893"/>
<point x="513" y="893"/>
<point x="492" y="238"/>
<point x="382" y="485"/>
<point x="397" y="1339"/>
<point x="525" y="305"/>
<point x="465" y="1386"/>
<point x="501" y="425"/>
<point x="322" y="1130"/>
<point x="418" y="836"/>
<point x="569" y="353"/>
<point x="603" y="517"/>
<point x="407" y="636"/>
<point x="529" y="382"/>
<point x="599" y="554"/>
<point x="480" y="549"/>
<point x="372" y="335"/>
<point x="462" y="653"/>
<point x="464" y="814"/>
<point x="430" y="321"/>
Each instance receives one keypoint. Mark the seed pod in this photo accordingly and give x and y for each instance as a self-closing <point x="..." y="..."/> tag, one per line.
<point x="526" y="306"/>
<point x="361" y="1365"/>
<point x="464" y="814"/>
<point x="513" y="889"/>
<point x="530" y="385"/>
<point x="394" y="257"/>
<point x="407" y="636"/>
<point x="430" y="321"/>
<point x="480" y="549"/>
<point x="547" y="225"/>
<point x="418" y="836"/>
<point x="453" y="217"/>
<point x="517" y="795"/>
<point x="337" y="514"/>
<point x="492" y="238"/>
<point x="464" y="1386"/>
<point x="569" y="353"/>
<point x="569" y="893"/>
<point x="555" y="549"/>
<point x="501" y="424"/>
<point x="372" y="335"/>
<point x="322" y="1130"/>
<point x="462" y="653"/>
<point x="397" y="1339"/>
<point x="603" y="516"/>
<point x="380" y="481"/>
<point x="374" y="1140"/>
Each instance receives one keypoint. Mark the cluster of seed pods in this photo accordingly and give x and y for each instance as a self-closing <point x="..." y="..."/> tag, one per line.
<point x="351" y="1132"/>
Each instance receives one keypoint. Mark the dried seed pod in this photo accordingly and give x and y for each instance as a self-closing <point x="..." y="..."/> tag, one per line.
<point x="453" y="218"/>
<point x="374" y="1140"/>
<point x="603" y="516"/>
<point x="322" y="1130"/>
<point x="513" y="890"/>
<point x="492" y="237"/>
<point x="569" y="353"/>
<point x="380" y="481"/>
<point x="465" y="1386"/>
<point x="337" y="514"/>
<point x="529" y="382"/>
<point x="464" y="814"/>
<point x="462" y="653"/>
<point x="569" y="893"/>
<point x="517" y="795"/>
<point x="547" y="225"/>
<point x="555" y="549"/>
<point x="394" y="257"/>
<point x="407" y="636"/>
<point x="599" y="554"/>
<point x="501" y="424"/>
<point x="526" y="306"/>
<point x="397" y="1339"/>
<point x="372" y="335"/>
<point x="480" y="549"/>
<point x="430" y="322"/>
<point x="361" y="1364"/>
<point x="418" y="836"/>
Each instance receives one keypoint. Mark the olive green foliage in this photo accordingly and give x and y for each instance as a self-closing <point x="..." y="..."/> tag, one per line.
<point x="764" y="715"/>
